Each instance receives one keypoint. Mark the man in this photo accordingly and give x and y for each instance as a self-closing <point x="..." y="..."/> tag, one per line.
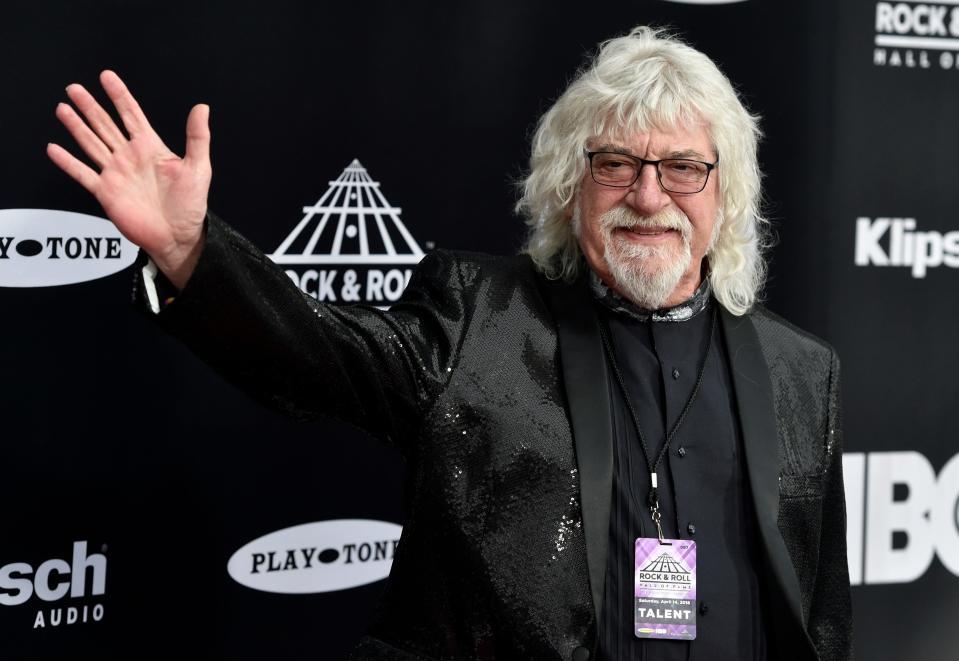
<point x="613" y="451"/>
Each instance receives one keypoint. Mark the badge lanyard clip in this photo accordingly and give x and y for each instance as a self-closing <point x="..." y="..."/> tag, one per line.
<point x="654" y="507"/>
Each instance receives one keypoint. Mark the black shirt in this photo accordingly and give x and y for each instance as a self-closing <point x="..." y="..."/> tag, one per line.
<point x="703" y="488"/>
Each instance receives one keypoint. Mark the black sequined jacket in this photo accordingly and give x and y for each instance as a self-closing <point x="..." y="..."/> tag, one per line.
<point x="491" y="380"/>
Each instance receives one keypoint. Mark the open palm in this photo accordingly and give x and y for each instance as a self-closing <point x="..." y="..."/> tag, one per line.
<point x="155" y="198"/>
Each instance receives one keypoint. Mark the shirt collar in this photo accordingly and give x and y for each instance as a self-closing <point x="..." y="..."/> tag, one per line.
<point x="686" y="310"/>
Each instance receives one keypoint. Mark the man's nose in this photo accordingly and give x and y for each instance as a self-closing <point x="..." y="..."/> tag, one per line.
<point x="646" y="196"/>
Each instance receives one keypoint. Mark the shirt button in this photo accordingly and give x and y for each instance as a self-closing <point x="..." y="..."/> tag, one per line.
<point x="691" y="529"/>
<point x="703" y="608"/>
<point x="681" y="451"/>
<point x="580" y="654"/>
<point x="675" y="373"/>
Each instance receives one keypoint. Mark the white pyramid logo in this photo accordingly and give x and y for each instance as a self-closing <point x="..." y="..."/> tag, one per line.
<point x="365" y="230"/>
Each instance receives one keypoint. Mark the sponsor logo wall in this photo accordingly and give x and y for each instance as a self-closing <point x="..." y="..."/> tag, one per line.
<point x="348" y="143"/>
<point x="892" y="251"/>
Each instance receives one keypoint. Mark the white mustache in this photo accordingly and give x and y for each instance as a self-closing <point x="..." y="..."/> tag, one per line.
<point x="624" y="217"/>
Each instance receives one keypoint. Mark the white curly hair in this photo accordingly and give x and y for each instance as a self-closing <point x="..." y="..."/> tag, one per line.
<point x="649" y="79"/>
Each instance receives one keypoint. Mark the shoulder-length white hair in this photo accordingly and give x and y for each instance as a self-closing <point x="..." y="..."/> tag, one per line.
<point x="644" y="80"/>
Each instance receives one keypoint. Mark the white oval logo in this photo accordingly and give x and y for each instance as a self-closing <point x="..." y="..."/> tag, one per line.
<point x="46" y="247"/>
<point x="323" y="556"/>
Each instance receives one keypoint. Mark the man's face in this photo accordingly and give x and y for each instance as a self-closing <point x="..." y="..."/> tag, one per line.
<point x="644" y="242"/>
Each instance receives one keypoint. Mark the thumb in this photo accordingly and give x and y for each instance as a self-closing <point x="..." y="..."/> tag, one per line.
<point x="198" y="135"/>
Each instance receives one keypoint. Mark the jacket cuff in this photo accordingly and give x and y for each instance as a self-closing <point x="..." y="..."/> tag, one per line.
<point x="152" y="290"/>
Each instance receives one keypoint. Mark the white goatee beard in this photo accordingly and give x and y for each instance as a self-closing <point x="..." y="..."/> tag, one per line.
<point x="645" y="275"/>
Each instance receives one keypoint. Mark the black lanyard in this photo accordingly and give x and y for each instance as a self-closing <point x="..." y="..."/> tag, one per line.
<point x="653" y="466"/>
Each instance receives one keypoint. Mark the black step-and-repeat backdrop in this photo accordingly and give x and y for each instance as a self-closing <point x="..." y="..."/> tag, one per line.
<point x="150" y="509"/>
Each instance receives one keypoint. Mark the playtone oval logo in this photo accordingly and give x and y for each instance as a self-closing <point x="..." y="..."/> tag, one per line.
<point x="323" y="556"/>
<point x="46" y="247"/>
<point x="706" y="2"/>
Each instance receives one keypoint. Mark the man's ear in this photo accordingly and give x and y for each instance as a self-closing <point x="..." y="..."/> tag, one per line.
<point x="570" y="207"/>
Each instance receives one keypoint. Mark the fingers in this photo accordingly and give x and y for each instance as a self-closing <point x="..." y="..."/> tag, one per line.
<point x="198" y="135"/>
<point x="129" y="110"/>
<point x="87" y="139"/>
<point x="78" y="170"/>
<point x="96" y="117"/>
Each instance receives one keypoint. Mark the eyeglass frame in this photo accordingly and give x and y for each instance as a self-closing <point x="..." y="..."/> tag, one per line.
<point x="642" y="163"/>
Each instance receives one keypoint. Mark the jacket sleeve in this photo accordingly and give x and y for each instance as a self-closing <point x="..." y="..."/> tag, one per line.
<point x="379" y="370"/>
<point x="830" y="613"/>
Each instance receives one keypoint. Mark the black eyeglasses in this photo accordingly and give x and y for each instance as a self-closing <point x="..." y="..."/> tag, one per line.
<point x="676" y="175"/>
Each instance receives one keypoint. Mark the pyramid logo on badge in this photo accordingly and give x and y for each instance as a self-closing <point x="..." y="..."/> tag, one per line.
<point x="351" y="224"/>
<point x="666" y="564"/>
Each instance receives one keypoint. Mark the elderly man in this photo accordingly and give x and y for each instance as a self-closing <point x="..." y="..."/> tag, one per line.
<point x="614" y="452"/>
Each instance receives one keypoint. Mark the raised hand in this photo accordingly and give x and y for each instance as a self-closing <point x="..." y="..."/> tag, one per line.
<point x="155" y="198"/>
